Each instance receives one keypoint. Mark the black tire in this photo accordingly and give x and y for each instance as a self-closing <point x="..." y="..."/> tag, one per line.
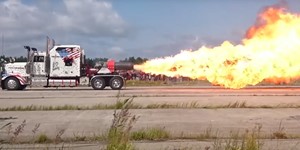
<point x="22" y="87"/>
<point x="98" y="83"/>
<point x="12" y="83"/>
<point x="116" y="83"/>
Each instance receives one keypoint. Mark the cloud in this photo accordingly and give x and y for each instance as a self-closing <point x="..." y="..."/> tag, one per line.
<point x="91" y="17"/>
<point x="117" y="50"/>
<point x="19" y="21"/>
<point x="73" y="20"/>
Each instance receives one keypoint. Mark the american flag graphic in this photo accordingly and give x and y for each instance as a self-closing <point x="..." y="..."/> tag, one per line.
<point x="72" y="53"/>
<point x="20" y="77"/>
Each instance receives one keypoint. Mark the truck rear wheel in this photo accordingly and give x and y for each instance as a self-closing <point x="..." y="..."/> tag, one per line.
<point x="116" y="83"/>
<point x="12" y="83"/>
<point x="98" y="83"/>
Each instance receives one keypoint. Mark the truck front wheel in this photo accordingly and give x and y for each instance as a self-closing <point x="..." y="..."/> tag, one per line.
<point x="116" y="83"/>
<point x="22" y="87"/>
<point x="98" y="83"/>
<point x="12" y="83"/>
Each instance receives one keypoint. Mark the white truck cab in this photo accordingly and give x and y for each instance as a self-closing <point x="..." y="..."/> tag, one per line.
<point x="61" y="66"/>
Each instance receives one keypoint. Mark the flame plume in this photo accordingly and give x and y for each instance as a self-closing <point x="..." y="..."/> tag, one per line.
<point x="269" y="52"/>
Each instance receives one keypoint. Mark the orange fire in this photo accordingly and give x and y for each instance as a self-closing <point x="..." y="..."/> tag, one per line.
<point x="269" y="52"/>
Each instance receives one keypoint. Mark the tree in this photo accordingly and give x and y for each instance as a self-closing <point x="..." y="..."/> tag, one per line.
<point x="134" y="60"/>
<point x="20" y="59"/>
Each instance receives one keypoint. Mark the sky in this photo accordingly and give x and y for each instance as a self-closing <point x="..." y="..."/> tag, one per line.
<point x="118" y="29"/>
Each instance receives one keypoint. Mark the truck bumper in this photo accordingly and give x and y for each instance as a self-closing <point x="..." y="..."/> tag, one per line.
<point x="2" y="84"/>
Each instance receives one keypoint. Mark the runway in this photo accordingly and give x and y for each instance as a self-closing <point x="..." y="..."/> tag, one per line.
<point x="204" y="95"/>
<point x="177" y="121"/>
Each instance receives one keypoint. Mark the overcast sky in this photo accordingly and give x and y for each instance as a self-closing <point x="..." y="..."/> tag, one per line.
<point x="123" y="28"/>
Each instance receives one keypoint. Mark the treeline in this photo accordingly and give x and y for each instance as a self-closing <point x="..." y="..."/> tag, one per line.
<point x="16" y="59"/>
<point x="134" y="60"/>
<point x="89" y="61"/>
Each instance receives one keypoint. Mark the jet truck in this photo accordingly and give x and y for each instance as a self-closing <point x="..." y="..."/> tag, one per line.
<point x="61" y="66"/>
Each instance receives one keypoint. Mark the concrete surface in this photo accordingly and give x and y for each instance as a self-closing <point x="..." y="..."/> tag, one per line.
<point x="158" y="145"/>
<point x="177" y="121"/>
<point x="204" y="95"/>
<point x="188" y="121"/>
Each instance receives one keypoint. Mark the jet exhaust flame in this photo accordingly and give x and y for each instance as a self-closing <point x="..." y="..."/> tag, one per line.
<point x="269" y="52"/>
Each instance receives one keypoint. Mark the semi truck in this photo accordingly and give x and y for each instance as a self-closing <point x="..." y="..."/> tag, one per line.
<point x="61" y="66"/>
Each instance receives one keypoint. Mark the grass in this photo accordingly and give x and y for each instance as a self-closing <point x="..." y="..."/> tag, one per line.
<point x="43" y="138"/>
<point x="247" y="141"/>
<point x="17" y="131"/>
<point x="170" y="106"/>
<point x="119" y="104"/>
<point x="237" y="105"/>
<point x="280" y="133"/>
<point x="120" y="133"/>
<point x="120" y="129"/>
<point x="80" y="137"/>
<point x="150" y="134"/>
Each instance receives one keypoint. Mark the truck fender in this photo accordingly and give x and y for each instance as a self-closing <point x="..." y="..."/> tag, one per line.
<point x="21" y="79"/>
<point x="95" y="76"/>
<point x="107" y="76"/>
